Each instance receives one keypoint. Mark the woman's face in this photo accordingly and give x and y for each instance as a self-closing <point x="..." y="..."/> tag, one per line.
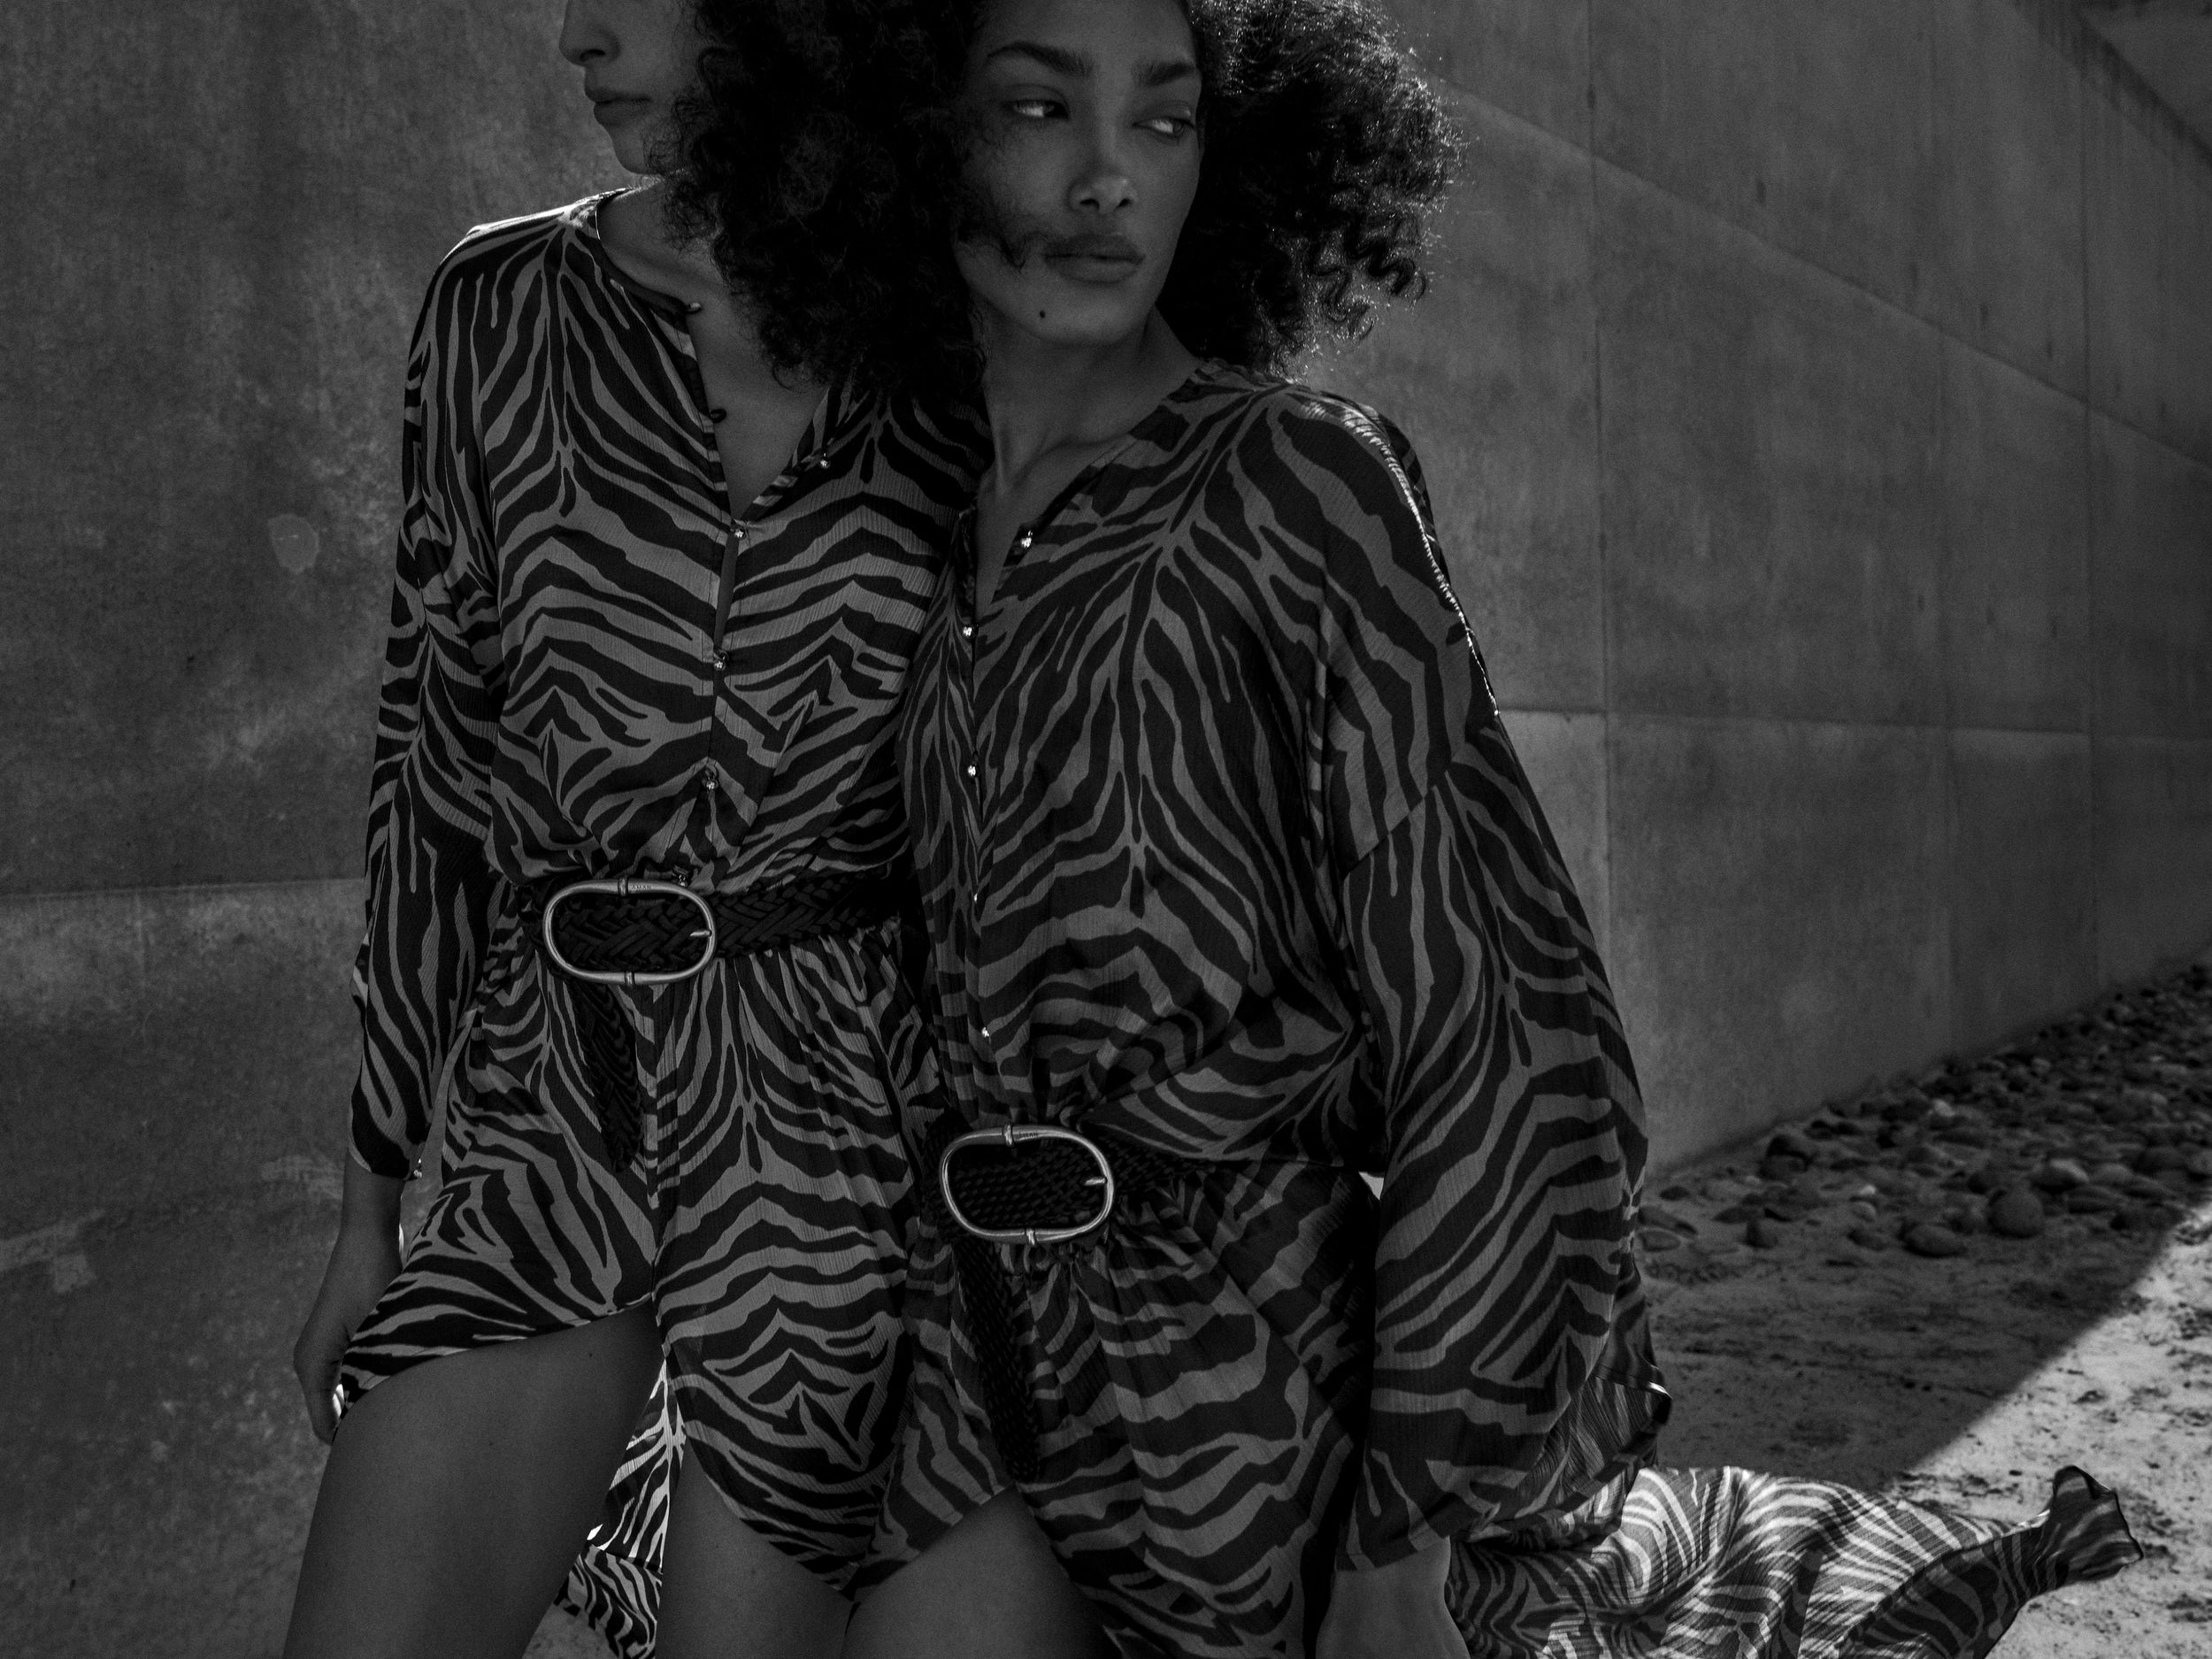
<point x="1085" y="160"/>
<point x="638" y="58"/>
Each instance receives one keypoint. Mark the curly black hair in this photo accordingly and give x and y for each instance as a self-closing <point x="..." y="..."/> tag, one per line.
<point x="821" y="156"/>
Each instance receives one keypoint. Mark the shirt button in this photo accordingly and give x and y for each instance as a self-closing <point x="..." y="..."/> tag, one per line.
<point x="1026" y="538"/>
<point x="707" y="779"/>
<point x="967" y="629"/>
<point x="971" y="769"/>
<point x="719" y="660"/>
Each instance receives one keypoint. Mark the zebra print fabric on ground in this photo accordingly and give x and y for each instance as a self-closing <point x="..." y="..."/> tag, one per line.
<point x="1778" y="1568"/>
<point x="600" y="665"/>
<point x="1224" y="851"/>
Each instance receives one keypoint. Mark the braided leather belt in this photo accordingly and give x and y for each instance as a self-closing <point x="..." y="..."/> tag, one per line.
<point x="634" y="931"/>
<point x="1019" y="1191"/>
<point x="1022" y="1184"/>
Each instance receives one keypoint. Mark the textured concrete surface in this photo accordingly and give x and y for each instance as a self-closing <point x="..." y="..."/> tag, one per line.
<point x="2017" y="629"/>
<point x="160" y="1043"/>
<point x="2022" y="879"/>
<point x="1779" y="913"/>
<point x="2005" y="274"/>
<point x="221" y="226"/>
<point x="2169" y="42"/>
<point x="1771" y="494"/>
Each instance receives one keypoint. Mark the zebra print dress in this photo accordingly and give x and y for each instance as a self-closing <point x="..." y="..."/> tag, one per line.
<point x="601" y="665"/>
<point x="1225" y="852"/>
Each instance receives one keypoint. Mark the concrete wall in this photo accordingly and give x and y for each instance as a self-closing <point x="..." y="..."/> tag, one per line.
<point x="220" y="221"/>
<point x="1818" y="398"/>
<point x="1818" y="403"/>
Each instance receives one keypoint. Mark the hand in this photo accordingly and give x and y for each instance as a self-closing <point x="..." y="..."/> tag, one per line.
<point x="1392" y="1612"/>
<point x="362" y="1261"/>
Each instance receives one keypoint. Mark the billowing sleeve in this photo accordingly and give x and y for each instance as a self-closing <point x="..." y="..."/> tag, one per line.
<point x="430" y="889"/>
<point x="1505" y="1115"/>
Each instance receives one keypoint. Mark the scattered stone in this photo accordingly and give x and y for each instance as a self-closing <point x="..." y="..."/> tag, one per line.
<point x="2103" y="1118"/>
<point x="1931" y="1239"/>
<point x="1791" y="1143"/>
<point x="2017" y="1213"/>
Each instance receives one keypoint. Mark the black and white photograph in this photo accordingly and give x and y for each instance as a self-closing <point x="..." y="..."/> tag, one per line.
<point x="1106" y="829"/>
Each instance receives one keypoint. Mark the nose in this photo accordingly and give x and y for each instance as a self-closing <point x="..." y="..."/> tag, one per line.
<point x="1103" y="187"/>
<point x="584" y="37"/>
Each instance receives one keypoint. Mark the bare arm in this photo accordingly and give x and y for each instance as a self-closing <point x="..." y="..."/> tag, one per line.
<point x="363" y="1261"/>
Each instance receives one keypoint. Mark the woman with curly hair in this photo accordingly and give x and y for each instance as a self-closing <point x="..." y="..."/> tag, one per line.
<point x="1239" y="902"/>
<point x="637" y="875"/>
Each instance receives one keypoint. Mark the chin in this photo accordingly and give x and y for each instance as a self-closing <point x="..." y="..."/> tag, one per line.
<point x="1080" y="318"/>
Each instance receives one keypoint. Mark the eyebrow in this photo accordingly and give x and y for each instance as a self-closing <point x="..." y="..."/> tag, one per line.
<point x="1160" y="73"/>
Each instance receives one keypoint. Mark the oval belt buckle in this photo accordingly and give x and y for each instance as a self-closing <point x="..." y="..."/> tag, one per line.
<point x="1014" y="1135"/>
<point x="625" y="887"/>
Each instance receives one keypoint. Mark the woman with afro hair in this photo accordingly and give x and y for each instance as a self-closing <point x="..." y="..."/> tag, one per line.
<point x="1274" y="1285"/>
<point x="636" y="919"/>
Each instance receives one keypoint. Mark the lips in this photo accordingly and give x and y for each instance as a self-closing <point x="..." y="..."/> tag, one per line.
<point x="1093" y="259"/>
<point x="609" y="109"/>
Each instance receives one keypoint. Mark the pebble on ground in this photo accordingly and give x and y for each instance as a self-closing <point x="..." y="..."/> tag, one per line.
<point x="2103" y="1120"/>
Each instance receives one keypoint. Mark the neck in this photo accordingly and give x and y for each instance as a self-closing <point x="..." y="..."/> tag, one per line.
<point x="635" y="224"/>
<point x="1042" y="396"/>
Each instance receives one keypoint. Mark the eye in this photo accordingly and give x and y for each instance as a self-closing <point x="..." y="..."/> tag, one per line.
<point x="1035" y="109"/>
<point x="1170" y="126"/>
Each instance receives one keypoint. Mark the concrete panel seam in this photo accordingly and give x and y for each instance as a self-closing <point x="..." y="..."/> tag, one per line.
<point x="1597" y="440"/>
<point x="183" y="891"/>
<point x="1806" y="263"/>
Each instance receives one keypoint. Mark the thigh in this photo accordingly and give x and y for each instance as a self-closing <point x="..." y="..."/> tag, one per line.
<point x="990" y="1588"/>
<point x="458" y="1492"/>
<point x="726" y="1593"/>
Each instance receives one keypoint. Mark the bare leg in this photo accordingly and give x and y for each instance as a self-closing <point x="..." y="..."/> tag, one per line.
<point x="991" y="1588"/>
<point x="458" y="1492"/>
<point x="726" y="1593"/>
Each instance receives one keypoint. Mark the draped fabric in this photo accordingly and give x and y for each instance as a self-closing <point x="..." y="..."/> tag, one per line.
<point x="1226" y="852"/>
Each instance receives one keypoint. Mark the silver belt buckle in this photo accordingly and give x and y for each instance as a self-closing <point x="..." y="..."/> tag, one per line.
<point x="629" y="887"/>
<point x="1014" y="1135"/>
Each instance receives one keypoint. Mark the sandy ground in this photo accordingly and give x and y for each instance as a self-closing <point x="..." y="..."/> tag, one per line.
<point x="1968" y="1382"/>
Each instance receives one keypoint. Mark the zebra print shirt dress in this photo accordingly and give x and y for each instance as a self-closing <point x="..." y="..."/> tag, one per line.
<point x="1226" y="853"/>
<point x="562" y="702"/>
